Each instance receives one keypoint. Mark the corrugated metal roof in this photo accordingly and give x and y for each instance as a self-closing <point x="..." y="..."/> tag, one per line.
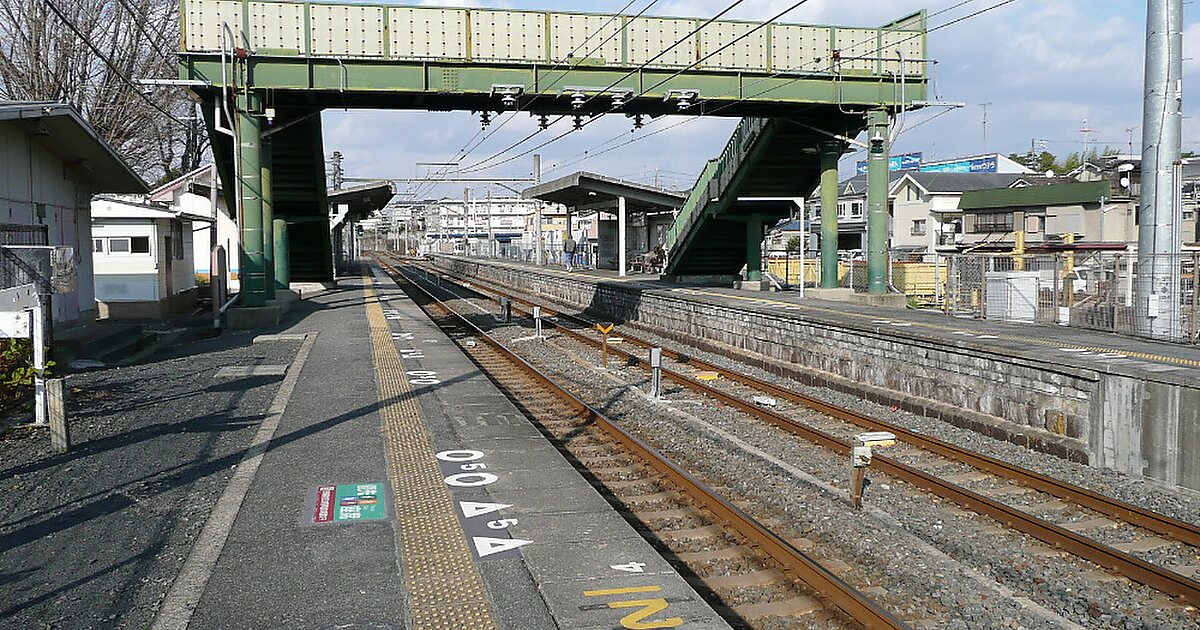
<point x="1052" y="195"/>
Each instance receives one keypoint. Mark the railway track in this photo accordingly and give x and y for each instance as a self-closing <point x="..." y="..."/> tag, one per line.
<point x="753" y="570"/>
<point x="922" y="454"/>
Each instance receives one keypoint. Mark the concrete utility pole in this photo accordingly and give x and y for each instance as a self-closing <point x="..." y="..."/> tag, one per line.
<point x="491" y="230"/>
<point x="538" y="251"/>
<point x="1160" y="222"/>
<point x="467" y="218"/>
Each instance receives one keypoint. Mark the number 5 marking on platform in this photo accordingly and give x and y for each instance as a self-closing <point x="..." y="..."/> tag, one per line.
<point x="646" y="607"/>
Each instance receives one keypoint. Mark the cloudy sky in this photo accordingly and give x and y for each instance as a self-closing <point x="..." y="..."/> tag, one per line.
<point x="1043" y="67"/>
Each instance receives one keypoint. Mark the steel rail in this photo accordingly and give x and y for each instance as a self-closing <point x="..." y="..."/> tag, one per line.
<point x="1182" y="531"/>
<point x="829" y="586"/>
<point x="1134" y="568"/>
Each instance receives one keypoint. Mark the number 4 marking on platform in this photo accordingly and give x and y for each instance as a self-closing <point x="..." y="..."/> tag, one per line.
<point x="632" y="567"/>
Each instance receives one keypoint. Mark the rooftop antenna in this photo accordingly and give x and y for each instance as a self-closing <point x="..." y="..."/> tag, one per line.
<point x="985" y="121"/>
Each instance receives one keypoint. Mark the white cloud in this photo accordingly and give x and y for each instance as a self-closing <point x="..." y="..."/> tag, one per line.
<point x="1042" y="65"/>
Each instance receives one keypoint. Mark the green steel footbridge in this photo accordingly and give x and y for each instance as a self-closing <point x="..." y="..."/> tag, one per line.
<point x="264" y="70"/>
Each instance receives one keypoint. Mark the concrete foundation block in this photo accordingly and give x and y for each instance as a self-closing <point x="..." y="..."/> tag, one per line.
<point x="284" y="298"/>
<point x="887" y="300"/>
<point x="752" y="285"/>
<point x="711" y="280"/>
<point x="837" y="295"/>
<point x="253" y="317"/>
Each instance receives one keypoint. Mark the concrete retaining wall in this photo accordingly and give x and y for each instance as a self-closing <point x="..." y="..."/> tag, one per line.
<point x="1125" y="422"/>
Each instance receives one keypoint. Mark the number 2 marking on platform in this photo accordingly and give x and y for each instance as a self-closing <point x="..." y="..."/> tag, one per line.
<point x="646" y="607"/>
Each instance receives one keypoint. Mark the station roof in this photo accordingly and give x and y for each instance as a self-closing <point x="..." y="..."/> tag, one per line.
<point x="60" y="128"/>
<point x="589" y="190"/>
<point x="1034" y="196"/>
<point x="118" y="207"/>
<point x="363" y="200"/>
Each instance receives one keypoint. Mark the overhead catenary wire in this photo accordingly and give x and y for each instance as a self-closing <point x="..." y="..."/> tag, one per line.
<point x="628" y="74"/>
<point x="768" y="90"/>
<point x="586" y="154"/>
<point x="108" y="62"/>
<point x="464" y="152"/>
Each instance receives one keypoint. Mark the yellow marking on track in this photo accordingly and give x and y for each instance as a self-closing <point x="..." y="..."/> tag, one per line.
<point x="445" y="590"/>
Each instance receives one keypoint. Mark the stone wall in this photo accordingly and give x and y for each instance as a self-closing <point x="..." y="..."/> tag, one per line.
<point x="1118" y="421"/>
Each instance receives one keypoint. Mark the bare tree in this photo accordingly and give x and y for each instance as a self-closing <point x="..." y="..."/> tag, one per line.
<point x="90" y="53"/>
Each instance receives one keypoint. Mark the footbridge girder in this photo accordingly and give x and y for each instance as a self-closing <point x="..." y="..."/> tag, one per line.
<point x="265" y="69"/>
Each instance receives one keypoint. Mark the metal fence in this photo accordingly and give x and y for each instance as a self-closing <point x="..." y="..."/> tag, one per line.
<point x="12" y="272"/>
<point x="1094" y="290"/>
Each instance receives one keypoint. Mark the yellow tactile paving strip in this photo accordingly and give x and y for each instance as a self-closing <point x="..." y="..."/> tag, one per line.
<point x="445" y="590"/>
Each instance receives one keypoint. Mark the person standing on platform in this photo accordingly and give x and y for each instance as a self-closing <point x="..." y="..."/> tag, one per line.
<point x="569" y="252"/>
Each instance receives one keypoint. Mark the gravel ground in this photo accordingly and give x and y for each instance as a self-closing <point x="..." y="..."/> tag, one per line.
<point x="937" y="562"/>
<point x="1177" y="502"/>
<point x="95" y="537"/>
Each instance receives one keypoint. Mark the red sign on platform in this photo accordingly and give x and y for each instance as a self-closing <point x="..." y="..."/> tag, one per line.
<point x="323" y="513"/>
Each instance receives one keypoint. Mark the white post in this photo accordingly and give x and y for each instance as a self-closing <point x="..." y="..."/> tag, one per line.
<point x="656" y="372"/>
<point x="622" y="255"/>
<point x="41" y="404"/>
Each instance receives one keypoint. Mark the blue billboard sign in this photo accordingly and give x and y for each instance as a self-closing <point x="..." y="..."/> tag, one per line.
<point x="905" y="162"/>
<point x="976" y="165"/>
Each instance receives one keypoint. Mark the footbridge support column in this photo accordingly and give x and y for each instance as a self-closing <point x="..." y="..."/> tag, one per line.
<point x="268" y="221"/>
<point x="877" y="201"/>
<point x="754" y="239"/>
<point x="251" y="274"/>
<point x="830" y="153"/>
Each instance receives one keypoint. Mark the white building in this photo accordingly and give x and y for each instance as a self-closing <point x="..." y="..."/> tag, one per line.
<point x="142" y="254"/>
<point x="451" y="224"/>
<point x="51" y="163"/>
<point x="198" y="193"/>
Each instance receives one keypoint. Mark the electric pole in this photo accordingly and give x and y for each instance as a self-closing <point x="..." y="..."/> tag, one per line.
<point x="1157" y="311"/>
<point x="338" y="174"/>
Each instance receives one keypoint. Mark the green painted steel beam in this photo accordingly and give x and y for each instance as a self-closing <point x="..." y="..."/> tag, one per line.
<point x="251" y="275"/>
<point x="325" y="82"/>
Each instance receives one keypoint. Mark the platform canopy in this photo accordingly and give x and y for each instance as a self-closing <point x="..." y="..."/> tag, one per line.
<point x="586" y="191"/>
<point x="359" y="202"/>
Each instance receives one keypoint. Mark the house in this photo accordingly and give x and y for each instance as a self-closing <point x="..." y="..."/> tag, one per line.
<point x="1095" y="216"/>
<point x="925" y="212"/>
<point x="922" y="206"/>
<point x="51" y="164"/>
<point x="198" y="193"/>
<point x="143" y="258"/>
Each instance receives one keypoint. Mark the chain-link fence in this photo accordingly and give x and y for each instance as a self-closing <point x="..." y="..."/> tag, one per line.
<point x="1086" y="289"/>
<point x="1095" y="290"/>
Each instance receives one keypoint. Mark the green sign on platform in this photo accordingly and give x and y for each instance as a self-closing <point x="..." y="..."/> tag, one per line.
<point x="349" y="502"/>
